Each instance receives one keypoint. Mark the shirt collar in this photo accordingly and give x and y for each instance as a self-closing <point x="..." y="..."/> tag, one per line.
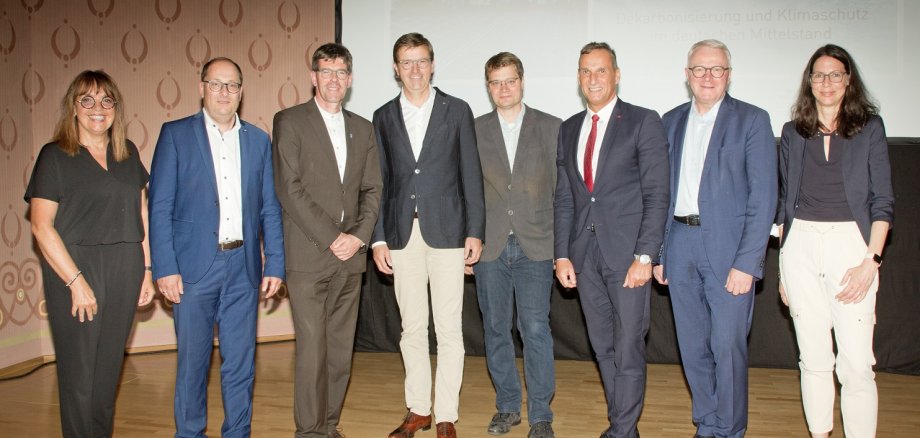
<point x="404" y="101"/>
<point x="209" y="122"/>
<point x="516" y="124"/>
<point x="605" y="112"/>
<point x="327" y="113"/>
<point x="710" y="115"/>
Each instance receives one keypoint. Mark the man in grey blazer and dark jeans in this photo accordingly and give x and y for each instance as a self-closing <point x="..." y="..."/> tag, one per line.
<point x="517" y="148"/>
<point x="431" y="223"/>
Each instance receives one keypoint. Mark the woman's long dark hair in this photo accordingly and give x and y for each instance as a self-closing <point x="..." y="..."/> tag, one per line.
<point x="855" y="109"/>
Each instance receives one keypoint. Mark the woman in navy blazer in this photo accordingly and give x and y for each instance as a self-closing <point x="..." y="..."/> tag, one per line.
<point x="835" y="208"/>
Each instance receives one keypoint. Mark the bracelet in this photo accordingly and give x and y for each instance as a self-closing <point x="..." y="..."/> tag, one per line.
<point x="75" y="277"/>
<point x="148" y="268"/>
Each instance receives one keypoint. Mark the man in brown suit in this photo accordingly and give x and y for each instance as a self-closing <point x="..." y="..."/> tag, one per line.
<point x="327" y="175"/>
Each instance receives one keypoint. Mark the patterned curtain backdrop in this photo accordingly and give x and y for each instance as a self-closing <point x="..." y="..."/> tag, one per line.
<point x="154" y="49"/>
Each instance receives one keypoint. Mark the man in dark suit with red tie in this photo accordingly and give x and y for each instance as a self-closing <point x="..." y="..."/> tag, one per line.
<point x="612" y="195"/>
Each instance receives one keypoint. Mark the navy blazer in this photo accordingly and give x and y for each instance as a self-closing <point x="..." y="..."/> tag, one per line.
<point x="185" y="210"/>
<point x="629" y="204"/>
<point x="737" y="188"/>
<point x="445" y="184"/>
<point x="866" y="170"/>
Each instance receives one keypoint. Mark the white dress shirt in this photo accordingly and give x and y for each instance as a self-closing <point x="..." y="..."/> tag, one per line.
<point x="602" y="123"/>
<point x="335" y="126"/>
<point x="511" y="132"/>
<point x="416" y="119"/>
<point x="693" y="157"/>
<point x="225" y="151"/>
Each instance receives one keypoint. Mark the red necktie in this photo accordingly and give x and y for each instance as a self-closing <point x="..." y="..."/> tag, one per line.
<point x="589" y="154"/>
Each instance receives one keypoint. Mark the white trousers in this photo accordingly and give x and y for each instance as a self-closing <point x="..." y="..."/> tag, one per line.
<point x="813" y="261"/>
<point x="413" y="268"/>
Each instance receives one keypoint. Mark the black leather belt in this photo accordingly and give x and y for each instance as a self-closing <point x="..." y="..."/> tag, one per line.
<point x="415" y="215"/>
<point x="693" y="220"/>
<point x="227" y="246"/>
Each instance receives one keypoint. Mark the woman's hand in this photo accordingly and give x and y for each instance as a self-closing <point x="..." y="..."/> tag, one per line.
<point x="83" y="299"/>
<point x="856" y="282"/>
<point x="147" y="290"/>
<point x="782" y="293"/>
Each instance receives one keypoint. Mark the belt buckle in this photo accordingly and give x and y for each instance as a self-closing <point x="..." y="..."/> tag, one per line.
<point x="227" y="246"/>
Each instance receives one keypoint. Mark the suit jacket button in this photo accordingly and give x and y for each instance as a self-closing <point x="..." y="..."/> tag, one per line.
<point x="412" y="196"/>
<point x="510" y="212"/>
<point x="509" y="186"/>
<point x="417" y="171"/>
<point x="592" y="199"/>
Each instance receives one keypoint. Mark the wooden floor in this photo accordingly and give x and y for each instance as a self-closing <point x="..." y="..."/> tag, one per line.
<point x="374" y="406"/>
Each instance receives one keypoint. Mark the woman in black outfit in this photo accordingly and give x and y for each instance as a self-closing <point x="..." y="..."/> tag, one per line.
<point x="89" y="216"/>
<point x="835" y="208"/>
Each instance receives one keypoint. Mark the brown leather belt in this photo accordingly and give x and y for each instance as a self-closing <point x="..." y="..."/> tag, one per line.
<point x="693" y="220"/>
<point x="227" y="246"/>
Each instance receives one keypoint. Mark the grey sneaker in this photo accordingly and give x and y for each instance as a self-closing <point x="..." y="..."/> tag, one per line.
<point x="543" y="429"/>
<point x="501" y="422"/>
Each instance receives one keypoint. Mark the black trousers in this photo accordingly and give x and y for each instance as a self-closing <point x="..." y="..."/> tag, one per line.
<point x="89" y="355"/>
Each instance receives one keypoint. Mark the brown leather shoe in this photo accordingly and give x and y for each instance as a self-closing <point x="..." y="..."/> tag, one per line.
<point x="446" y="430"/>
<point x="411" y="423"/>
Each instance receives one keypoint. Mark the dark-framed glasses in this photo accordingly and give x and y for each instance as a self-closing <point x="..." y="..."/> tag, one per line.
<point x="407" y="64"/>
<point x="716" y="71"/>
<point x="89" y="102"/>
<point x="216" y="86"/>
<point x="327" y="73"/>
<point x="834" y="76"/>
<point x="510" y="83"/>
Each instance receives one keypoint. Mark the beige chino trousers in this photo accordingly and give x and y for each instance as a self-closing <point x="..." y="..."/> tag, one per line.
<point x="414" y="267"/>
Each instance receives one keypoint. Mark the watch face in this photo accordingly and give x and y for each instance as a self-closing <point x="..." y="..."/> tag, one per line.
<point x="645" y="259"/>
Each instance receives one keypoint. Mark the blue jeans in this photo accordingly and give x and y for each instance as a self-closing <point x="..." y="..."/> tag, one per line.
<point x="513" y="281"/>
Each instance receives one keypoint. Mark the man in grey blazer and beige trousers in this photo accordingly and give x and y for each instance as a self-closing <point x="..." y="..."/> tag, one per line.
<point x="327" y="176"/>
<point x="431" y="222"/>
<point x="517" y="148"/>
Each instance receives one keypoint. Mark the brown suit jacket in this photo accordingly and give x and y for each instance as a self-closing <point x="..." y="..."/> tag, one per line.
<point x="522" y="200"/>
<point x="313" y="196"/>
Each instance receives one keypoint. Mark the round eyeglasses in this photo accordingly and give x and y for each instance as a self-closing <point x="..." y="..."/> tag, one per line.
<point x="89" y="102"/>
<point x="216" y="86"/>
<point x="716" y="72"/>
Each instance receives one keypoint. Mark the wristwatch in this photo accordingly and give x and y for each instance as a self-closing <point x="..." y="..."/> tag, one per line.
<point x="875" y="258"/>
<point x="644" y="259"/>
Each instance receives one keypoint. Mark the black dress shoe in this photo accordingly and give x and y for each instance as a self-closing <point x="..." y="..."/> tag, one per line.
<point x="703" y="436"/>
<point x="604" y="434"/>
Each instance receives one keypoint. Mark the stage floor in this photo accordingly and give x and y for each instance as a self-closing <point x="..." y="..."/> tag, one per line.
<point x="374" y="405"/>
